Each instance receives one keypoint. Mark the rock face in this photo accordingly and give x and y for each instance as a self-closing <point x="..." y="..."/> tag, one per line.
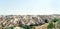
<point x="10" y="20"/>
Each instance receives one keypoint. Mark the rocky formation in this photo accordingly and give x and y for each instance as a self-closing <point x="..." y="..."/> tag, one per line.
<point x="15" y="20"/>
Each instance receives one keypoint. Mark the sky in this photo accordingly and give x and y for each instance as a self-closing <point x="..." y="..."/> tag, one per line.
<point x="32" y="7"/>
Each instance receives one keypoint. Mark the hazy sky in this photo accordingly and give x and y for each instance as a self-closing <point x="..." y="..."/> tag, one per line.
<point x="8" y="7"/>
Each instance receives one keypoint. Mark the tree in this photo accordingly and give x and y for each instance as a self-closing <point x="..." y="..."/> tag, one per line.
<point x="54" y="21"/>
<point x="50" y="26"/>
<point x="59" y="23"/>
<point x="27" y="27"/>
<point x="46" y="21"/>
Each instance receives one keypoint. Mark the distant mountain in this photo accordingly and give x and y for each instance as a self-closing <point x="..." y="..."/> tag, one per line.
<point x="56" y="14"/>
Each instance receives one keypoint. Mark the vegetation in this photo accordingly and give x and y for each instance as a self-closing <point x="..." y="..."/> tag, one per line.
<point x="50" y="26"/>
<point x="46" y="21"/>
<point x="52" y="23"/>
<point x="9" y="27"/>
<point x="26" y="27"/>
<point x="54" y="20"/>
<point x="58" y="24"/>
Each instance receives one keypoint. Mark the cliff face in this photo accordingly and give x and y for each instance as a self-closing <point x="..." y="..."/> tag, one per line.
<point x="10" y="20"/>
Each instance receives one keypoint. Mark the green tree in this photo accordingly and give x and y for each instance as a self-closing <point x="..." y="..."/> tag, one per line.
<point x="50" y="26"/>
<point x="26" y="26"/>
<point x="59" y="23"/>
<point x="54" y="21"/>
<point x="46" y="21"/>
